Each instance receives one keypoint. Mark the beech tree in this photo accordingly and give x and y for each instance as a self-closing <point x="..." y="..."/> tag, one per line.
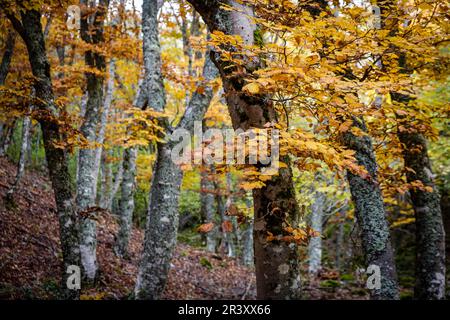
<point x="162" y="218"/>
<point x="91" y="29"/>
<point x="277" y="262"/>
<point x="352" y="96"/>
<point x="430" y="235"/>
<point x="28" y="25"/>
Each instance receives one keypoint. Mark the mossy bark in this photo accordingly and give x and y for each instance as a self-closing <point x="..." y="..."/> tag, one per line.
<point x="126" y="201"/>
<point x="370" y="213"/>
<point x="430" y="234"/>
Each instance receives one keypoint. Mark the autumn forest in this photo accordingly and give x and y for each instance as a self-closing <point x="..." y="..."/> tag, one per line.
<point x="224" y="150"/>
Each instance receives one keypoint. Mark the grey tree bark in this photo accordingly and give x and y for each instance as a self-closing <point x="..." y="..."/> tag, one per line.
<point x="223" y="205"/>
<point x="118" y="177"/>
<point x="91" y="28"/>
<point x="127" y="202"/>
<point x="162" y="218"/>
<point x="7" y="131"/>
<point x="26" y="127"/>
<point x="30" y="30"/>
<point x="207" y="209"/>
<point x="247" y="238"/>
<point x="102" y="125"/>
<point x="277" y="262"/>
<point x="340" y="250"/>
<point x="315" y="243"/>
<point x="127" y="174"/>
<point x="227" y="244"/>
<point x="106" y="181"/>
<point x="247" y="243"/>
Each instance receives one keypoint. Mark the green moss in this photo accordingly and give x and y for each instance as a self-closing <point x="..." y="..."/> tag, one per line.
<point x="206" y="263"/>
<point x="347" y="277"/>
<point x="330" y="284"/>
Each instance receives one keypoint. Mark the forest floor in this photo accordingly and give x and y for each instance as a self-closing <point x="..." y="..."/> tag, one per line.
<point x="30" y="256"/>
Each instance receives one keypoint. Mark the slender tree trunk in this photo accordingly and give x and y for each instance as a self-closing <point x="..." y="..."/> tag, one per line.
<point x="104" y="117"/>
<point x="8" y="131"/>
<point x="227" y="240"/>
<point x="368" y="201"/>
<point x="118" y="177"/>
<point x="91" y="32"/>
<point x="247" y="243"/>
<point x="127" y="201"/>
<point x="30" y="29"/>
<point x="162" y="217"/>
<point x="430" y="234"/>
<point x="106" y="180"/>
<point x="247" y="238"/>
<point x="223" y="207"/>
<point x="315" y="243"/>
<point x="277" y="262"/>
<point x="340" y="250"/>
<point x="127" y="176"/>
<point x="26" y="126"/>
<point x="370" y="213"/>
<point x="207" y="209"/>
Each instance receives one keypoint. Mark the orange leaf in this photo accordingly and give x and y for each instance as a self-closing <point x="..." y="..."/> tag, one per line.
<point x="227" y="226"/>
<point x="206" y="227"/>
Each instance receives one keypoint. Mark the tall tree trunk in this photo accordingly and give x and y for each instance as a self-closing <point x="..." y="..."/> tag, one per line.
<point x="30" y="29"/>
<point x="127" y="183"/>
<point x="315" y="243"/>
<point x="162" y="217"/>
<point x="430" y="234"/>
<point x="370" y="213"/>
<point x="368" y="200"/>
<point x="161" y="227"/>
<point x="277" y="262"/>
<point x="127" y="201"/>
<point x="91" y="26"/>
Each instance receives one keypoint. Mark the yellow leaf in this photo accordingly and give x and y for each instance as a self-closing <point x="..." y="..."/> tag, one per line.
<point x="252" y="88"/>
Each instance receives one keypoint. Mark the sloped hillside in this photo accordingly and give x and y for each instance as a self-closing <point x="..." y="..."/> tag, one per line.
<point x="30" y="254"/>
